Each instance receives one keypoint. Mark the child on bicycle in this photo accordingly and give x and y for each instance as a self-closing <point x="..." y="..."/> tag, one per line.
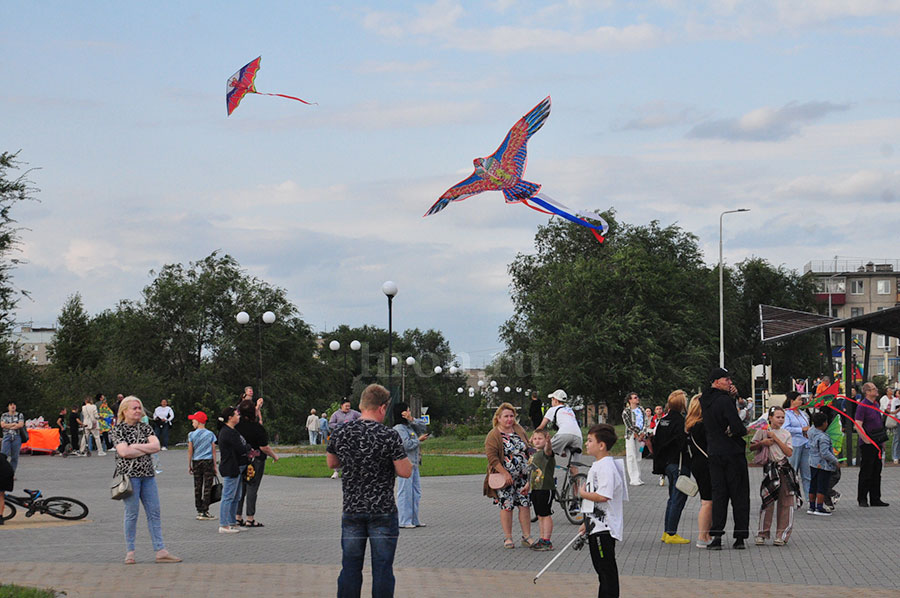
<point x="542" y="464"/>
<point x="602" y="502"/>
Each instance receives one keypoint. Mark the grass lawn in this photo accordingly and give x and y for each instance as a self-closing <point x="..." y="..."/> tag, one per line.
<point x="10" y="591"/>
<point x="432" y="465"/>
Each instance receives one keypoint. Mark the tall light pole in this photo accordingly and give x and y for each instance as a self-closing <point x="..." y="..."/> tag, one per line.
<point x="389" y="288"/>
<point x="722" y="291"/>
<point x="335" y="346"/>
<point x="268" y="318"/>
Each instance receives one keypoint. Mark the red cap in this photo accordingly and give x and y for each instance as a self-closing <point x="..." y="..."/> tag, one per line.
<point x="199" y="416"/>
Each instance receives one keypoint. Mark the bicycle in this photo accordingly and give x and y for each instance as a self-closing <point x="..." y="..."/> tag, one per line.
<point x="61" y="507"/>
<point x="566" y="495"/>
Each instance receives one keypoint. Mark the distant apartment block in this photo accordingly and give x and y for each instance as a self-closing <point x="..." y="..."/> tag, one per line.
<point x="855" y="287"/>
<point x="31" y="343"/>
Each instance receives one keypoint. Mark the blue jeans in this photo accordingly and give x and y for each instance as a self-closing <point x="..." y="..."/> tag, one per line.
<point x="145" y="492"/>
<point x="231" y="495"/>
<point x="381" y="529"/>
<point x="677" y="498"/>
<point x="10" y="447"/>
<point x="799" y="460"/>
<point x="313" y="437"/>
<point x="409" y="491"/>
<point x="895" y="449"/>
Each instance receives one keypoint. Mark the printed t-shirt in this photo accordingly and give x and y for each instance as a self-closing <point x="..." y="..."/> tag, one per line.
<point x="203" y="440"/>
<point x="367" y="450"/>
<point x="139" y="433"/>
<point x="607" y="479"/>
<point x="565" y="419"/>
<point x="542" y="467"/>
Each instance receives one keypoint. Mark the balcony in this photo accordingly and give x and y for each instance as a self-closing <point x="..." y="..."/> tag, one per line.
<point x="837" y="298"/>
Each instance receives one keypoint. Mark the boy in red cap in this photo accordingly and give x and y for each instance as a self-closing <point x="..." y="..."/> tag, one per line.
<point x="202" y="463"/>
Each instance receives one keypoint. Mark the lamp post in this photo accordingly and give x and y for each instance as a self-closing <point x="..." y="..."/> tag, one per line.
<point x="268" y="317"/>
<point x="389" y="288"/>
<point x="335" y="346"/>
<point x="721" y="290"/>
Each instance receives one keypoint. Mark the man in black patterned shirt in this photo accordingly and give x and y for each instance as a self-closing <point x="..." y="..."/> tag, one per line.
<point x="371" y="455"/>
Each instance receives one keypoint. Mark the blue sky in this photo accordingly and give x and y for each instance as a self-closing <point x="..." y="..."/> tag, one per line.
<point x="663" y="110"/>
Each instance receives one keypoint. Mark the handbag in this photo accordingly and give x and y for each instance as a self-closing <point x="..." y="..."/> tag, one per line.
<point x="762" y="455"/>
<point x="890" y="423"/>
<point x="879" y="436"/>
<point x="215" y="491"/>
<point x="685" y="484"/>
<point x="23" y="434"/>
<point x="121" y="488"/>
<point x="497" y="481"/>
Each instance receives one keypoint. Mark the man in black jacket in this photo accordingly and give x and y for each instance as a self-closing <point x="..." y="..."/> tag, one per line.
<point x="727" y="459"/>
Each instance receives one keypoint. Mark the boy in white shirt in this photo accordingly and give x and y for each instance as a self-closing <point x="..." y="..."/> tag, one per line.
<point x="602" y="502"/>
<point x="563" y="417"/>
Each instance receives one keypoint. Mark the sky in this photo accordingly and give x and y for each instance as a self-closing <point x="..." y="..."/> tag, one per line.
<point x="662" y="110"/>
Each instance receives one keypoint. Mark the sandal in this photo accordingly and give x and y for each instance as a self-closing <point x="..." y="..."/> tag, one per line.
<point x="529" y="541"/>
<point x="129" y="558"/>
<point x="253" y="523"/>
<point x="239" y="522"/>
<point x="508" y="543"/>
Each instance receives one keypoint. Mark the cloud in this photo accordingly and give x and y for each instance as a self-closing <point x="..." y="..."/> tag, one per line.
<point x="371" y="67"/>
<point x="766" y="124"/>
<point x="860" y="185"/>
<point x="658" y="115"/>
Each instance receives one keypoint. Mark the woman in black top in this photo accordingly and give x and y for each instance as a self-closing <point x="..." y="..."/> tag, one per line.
<point x="693" y="425"/>
<point x="670" y="458"/>
<point x="256" y="436"/>
<point x="233" y="451"/>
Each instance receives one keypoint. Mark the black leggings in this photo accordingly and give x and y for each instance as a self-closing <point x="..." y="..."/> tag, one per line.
<point x="603" y="556"/>
<point x="251" y="488"/>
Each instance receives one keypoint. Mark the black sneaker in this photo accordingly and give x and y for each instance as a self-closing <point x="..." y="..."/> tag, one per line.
<point x="716" y="544"/>
<point x="880" y="503"/>
<point x="739" y="544"/>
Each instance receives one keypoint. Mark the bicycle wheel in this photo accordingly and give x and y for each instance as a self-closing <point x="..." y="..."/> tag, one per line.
<point x="63" y="507"/>
<point x="571" y="504"/>
<point x="9" y="511"/>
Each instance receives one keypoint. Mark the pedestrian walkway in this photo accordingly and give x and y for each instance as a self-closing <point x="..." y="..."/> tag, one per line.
<point x="459" y="553"/>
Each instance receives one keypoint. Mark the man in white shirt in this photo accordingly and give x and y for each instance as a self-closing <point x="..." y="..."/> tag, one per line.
<point x="562" y="416"/>
<point x="312" y="426"/>
<point x="892" y="425"/>
<point x="90" y="421"/>
<point x="163" y="416"/>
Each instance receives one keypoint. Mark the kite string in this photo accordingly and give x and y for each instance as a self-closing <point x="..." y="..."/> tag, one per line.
<point x="281" y="95"/>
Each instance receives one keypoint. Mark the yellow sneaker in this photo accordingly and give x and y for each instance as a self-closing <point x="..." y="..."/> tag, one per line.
<point x="676" y="539"/>
<point x="665" y="538"/>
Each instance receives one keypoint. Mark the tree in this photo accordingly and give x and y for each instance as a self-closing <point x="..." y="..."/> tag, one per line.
<point x="74" y="345"/>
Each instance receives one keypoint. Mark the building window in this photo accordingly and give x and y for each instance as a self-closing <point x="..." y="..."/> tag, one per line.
<point x="856" y="287"/>
<point x="834" y="312"/>
<point x="883" y="287"/>
<point x="837" y="338"/>
<point x="837" y="286"/>
<point x="856" y="311"/>
<point x="860" y="338"/>
<point x="884" y="342"/>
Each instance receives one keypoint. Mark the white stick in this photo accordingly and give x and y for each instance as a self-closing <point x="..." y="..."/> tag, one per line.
<point x="558" y="554"/>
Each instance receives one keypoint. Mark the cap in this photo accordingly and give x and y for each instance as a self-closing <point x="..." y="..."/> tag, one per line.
<point x="199" y="416"/>
<point x="560" y="395"/>
<point x="717" y="373"/>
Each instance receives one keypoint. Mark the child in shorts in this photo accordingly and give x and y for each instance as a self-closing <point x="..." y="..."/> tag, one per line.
<point x="602" y="502"/>
<point x="822" y="464"/>
<point x="542" y="464"/>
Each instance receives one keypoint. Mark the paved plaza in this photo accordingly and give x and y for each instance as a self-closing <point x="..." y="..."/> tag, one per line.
<point x="459" y="553"/>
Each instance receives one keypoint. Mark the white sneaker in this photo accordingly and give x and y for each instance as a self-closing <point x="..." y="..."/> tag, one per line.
<point x="102" y="454"/>
<point x="334" y="476"/>
<point x="164" y="448"/>
<point x="662" y="481"/>
<point x="229" y="529"/>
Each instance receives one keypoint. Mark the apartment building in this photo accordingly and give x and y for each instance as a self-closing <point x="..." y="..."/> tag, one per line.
<point x="31" y="343"/>
<point x="848" y="288"/>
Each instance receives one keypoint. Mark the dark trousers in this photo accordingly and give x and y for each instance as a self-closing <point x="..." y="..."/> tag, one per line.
<point x="73" y="435"/>
<point x="603" y="556"/>
<point x="162" y="434"/>
<point x="251" y="488"/>
<point x="730" y="481"/>
<point x="203" y="481"/>
<point x="869" y="486"/>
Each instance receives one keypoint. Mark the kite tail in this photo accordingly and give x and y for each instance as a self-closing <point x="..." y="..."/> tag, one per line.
<point x="858" y="428"/>
<point x="281" y="95"/>
<point x="579" y="217"/>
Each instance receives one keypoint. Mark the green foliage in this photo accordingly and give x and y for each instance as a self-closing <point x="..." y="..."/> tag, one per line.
<point x="74" y="345"/>
<point x="881" y="382"/>
<point x="14" y="591"/>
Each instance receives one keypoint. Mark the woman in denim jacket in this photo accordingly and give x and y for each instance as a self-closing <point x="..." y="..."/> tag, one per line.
<point x="409" y="491"/>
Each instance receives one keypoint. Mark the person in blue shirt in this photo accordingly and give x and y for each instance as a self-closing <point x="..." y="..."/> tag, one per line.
<point x="202" y="463"/>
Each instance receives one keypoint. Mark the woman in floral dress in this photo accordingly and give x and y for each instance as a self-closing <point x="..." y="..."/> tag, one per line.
<point x="506" y="447"/>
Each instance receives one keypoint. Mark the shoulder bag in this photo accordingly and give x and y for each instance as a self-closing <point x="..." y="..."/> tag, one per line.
<point x="23" y="434"/>
<point x="685" y="484"/>
<point x="762" y="455"/>
<point x="215" y="491"/>
<point x="879" y="436"/>
<point x="121" y="488"/>
<point x="496" y="481"/>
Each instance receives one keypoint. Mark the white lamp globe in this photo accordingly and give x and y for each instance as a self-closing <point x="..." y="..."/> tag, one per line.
<point x="355" y="345"/>
<point x="506" y="389"/>
<point x="459" y="390"/>
<point x="495" y="389"/>
<point x="438" y="369"/>
<point x="394" y="361"/>
<point x="389" y="288"/>
<point x="519" y="389"/>
<point x="334" y="345"/>
<point x="453" y="369"/>
<point x="481" y="383"/>
<point x="268" y="317"/>
<point x="494" y="383"/>
<point x="242" y="317"/>
<point x="410" y="360"/>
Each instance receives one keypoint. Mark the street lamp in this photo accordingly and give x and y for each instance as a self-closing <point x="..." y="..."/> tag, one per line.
<point x="721" y="290"/>
<point x="267" y="318"/>
<point x="389" y="288"/>
<point x="335" y="346"/>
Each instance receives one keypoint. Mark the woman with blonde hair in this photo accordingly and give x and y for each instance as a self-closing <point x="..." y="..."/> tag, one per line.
<point x="670" y="458"/>
<point x="506" y="449"/>
<point x="696" y="444"/>
<point x="134" y="443"/>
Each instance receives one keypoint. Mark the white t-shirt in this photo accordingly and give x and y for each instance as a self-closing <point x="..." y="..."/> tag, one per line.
<point x="164" y="413"/>
<point x="885" y="402"/>
<point x="607" y="478"/>
<point x="565" y="419"/>
<point x="895" y="404"/>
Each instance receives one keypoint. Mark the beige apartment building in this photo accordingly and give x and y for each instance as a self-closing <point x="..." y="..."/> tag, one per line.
<point x="31" y="343"/>
<point x="855" y="287"/>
